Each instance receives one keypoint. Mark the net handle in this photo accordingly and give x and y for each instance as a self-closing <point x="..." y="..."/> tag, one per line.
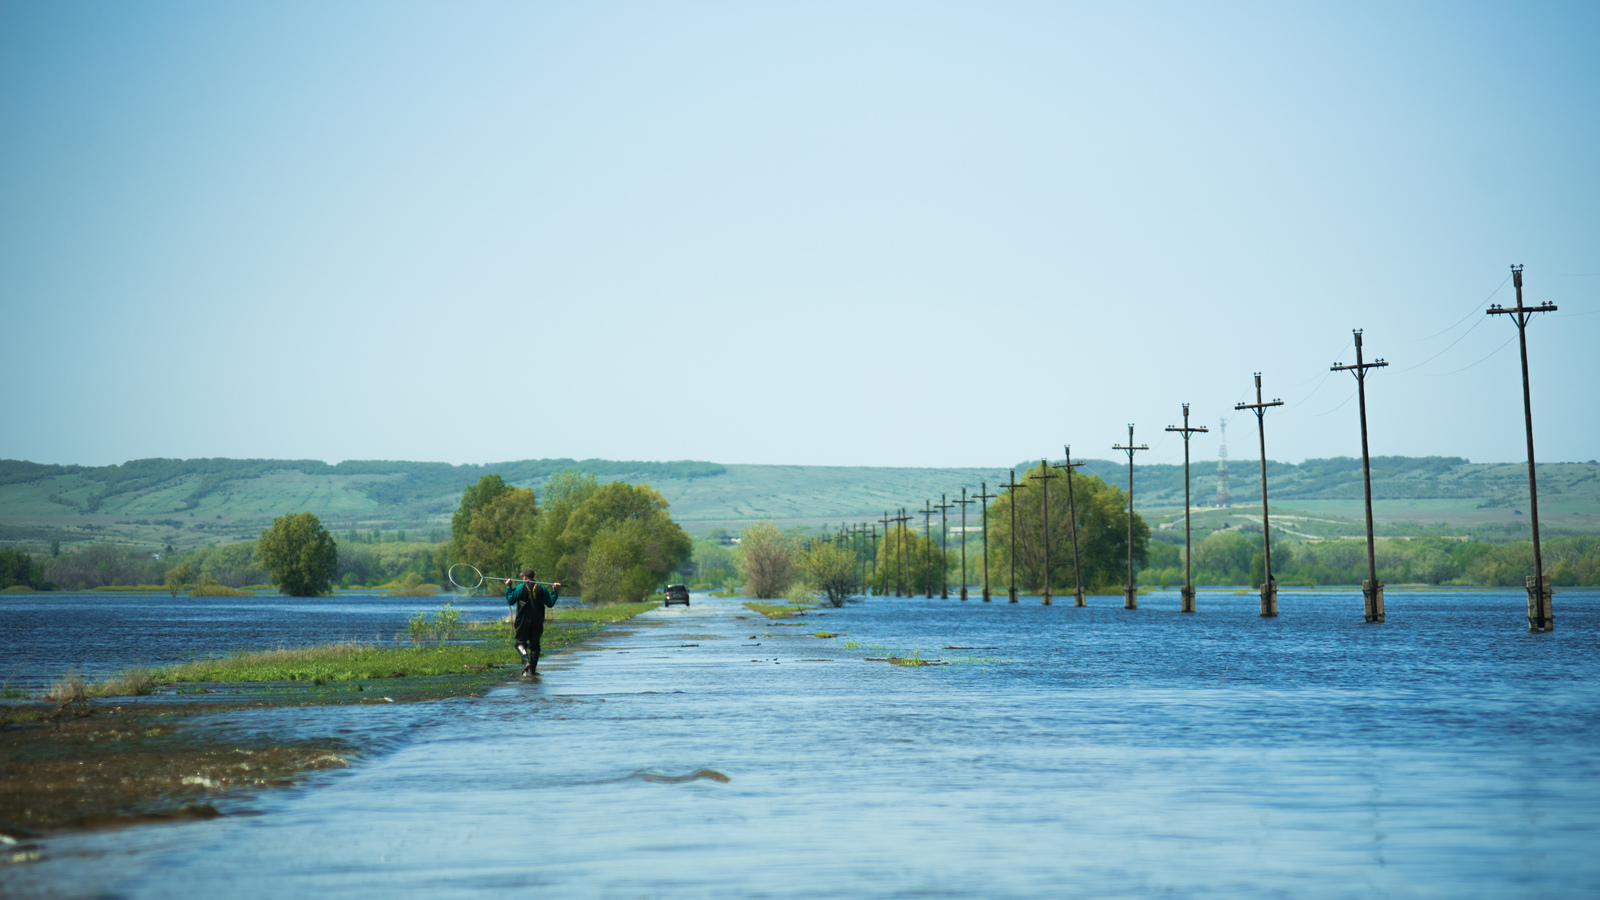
<point x="482" y="578"/>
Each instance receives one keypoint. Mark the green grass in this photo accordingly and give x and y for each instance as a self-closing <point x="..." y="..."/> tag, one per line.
<point x="218" y="590"/>
<point x="359" y="662"/>
<point x="776" y="610"/>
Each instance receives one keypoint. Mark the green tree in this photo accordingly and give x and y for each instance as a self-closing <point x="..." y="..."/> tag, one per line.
<point x="180" y="578"/>
<point x="830" y="570"/>
<point x="1102" y="526"/>
<point x="768" y="560"/>
<point x="547" y="546"/>
<point x="497" y="530"/>
<point x="18" y="569"/>
<point x="621" y="542"/>
<point x="475" y="497"/>
<point x="911" y="558"/>
<point x="299" y="554"/>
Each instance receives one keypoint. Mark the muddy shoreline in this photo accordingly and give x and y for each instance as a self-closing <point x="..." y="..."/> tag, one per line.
<point x="174" y="756"/>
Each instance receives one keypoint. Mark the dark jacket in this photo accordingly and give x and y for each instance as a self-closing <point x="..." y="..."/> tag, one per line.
<point x="530" y="601"/>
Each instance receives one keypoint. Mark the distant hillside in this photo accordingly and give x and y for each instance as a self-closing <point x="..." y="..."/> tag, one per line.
<point x="186" y="502"/>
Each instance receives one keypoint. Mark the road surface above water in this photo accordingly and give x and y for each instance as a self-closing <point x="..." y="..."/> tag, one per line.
<point x="708" y="752"/>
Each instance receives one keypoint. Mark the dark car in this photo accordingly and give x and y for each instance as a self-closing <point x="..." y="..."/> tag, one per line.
<point x="676" y="593"/>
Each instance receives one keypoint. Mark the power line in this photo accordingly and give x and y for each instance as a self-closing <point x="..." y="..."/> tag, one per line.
<point x="1469" y="315"/>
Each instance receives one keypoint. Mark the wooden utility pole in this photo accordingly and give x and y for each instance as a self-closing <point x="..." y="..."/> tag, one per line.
<point x="883" y="569"/>
<point x="963" y="502"/>
<point x="1541" y="613"/>
<point x="1372" y="588"/>
<point x="1013" y="486"/>
<point x="927" y="549"/>
<point x="1044" y="480"/>
<point x="1131" y="593"/>
<point x="900" y="556"/>
<point x="944" y="553"/>
<point x="1269" y="587"/>
<point x="984" y="497"/>
<point x="1072" y="523"/>
<point x="1187" y="604"/>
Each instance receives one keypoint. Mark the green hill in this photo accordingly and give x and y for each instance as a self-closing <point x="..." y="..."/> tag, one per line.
<point x="155" y="502"/>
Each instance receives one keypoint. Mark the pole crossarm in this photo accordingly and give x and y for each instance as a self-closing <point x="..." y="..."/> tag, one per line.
<point x="1072" y="525"/>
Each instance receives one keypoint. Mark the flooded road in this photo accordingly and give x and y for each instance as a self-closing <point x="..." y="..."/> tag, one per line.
<point x="706" y="751"/>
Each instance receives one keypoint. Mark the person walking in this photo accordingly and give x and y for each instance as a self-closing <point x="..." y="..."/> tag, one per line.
<point x="530" y="599"/>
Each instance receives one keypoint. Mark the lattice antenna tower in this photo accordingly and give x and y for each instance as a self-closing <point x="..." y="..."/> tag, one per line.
<point x="1223" y="499"/>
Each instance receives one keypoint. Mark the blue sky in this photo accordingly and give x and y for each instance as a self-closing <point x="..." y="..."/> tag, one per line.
<point x="861" y="234"/>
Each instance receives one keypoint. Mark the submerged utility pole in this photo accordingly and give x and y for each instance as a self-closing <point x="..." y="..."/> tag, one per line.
<point x="1044" y="479"/>
<point x="984" y="497"/>
<point x="883" y="570"/>
<point x="1269" y="588"/>
<point x="1372" y="588"/>
<point x="1541" y="614"/>
<point x="1013" y="487"/>
<point x="944" y="539"/>
<point x="927" y="550"/>
<point x="963" y="502"/>
<point x="1187" y="604"/>
<point x="872" y="544"/>
<point x="1072" y="523"/>
<point x="1131" y="594"/>
<point x="900" y="556"/>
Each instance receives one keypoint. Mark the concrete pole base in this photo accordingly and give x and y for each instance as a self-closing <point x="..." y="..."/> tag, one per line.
<point x="1372" y="600"/>
<point x="1541" y="614"/>
<point x="1269" y="600"/>
<point x="1046" y="598"/>
<point x="1130" y="597"/>
<point x="1187" y="593"/>
<point x="963" y="593"/>
<point x="1013" y="592"/>
<point x="986" y="597"/>
<point x="1077" y="598"/>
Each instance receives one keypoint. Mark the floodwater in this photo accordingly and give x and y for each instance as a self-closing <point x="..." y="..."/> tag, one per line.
<point x="708" y="752"/>
<point x="100" y="633"/>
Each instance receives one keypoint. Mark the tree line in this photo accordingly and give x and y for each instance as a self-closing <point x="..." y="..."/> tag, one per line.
<point x="611" y="542"/>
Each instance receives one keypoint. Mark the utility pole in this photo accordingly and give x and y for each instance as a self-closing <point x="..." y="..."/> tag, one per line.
<point x="1372" y="588"/>
<point x="1541" y="614"/>
<point x="1269" y="587"/>
<point x="927" y="550"/>
<point x="871" y="558"/>
<point x="944" y="553"/>
<point x="1188" y="546"/>
<point x="900" y="556"/>
<point x="1013" y="486"/>
<point x="1072" y="523"/>
<point x="984" y="497"/>
<point x="883" y="570"/>
<point x="963" y="503"/>
<point x="1044" y="479"/>
<point x="1131" y="594"/>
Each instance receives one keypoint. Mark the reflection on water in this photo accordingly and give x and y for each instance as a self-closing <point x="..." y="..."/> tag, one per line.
<point x="1092" y="752"/>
